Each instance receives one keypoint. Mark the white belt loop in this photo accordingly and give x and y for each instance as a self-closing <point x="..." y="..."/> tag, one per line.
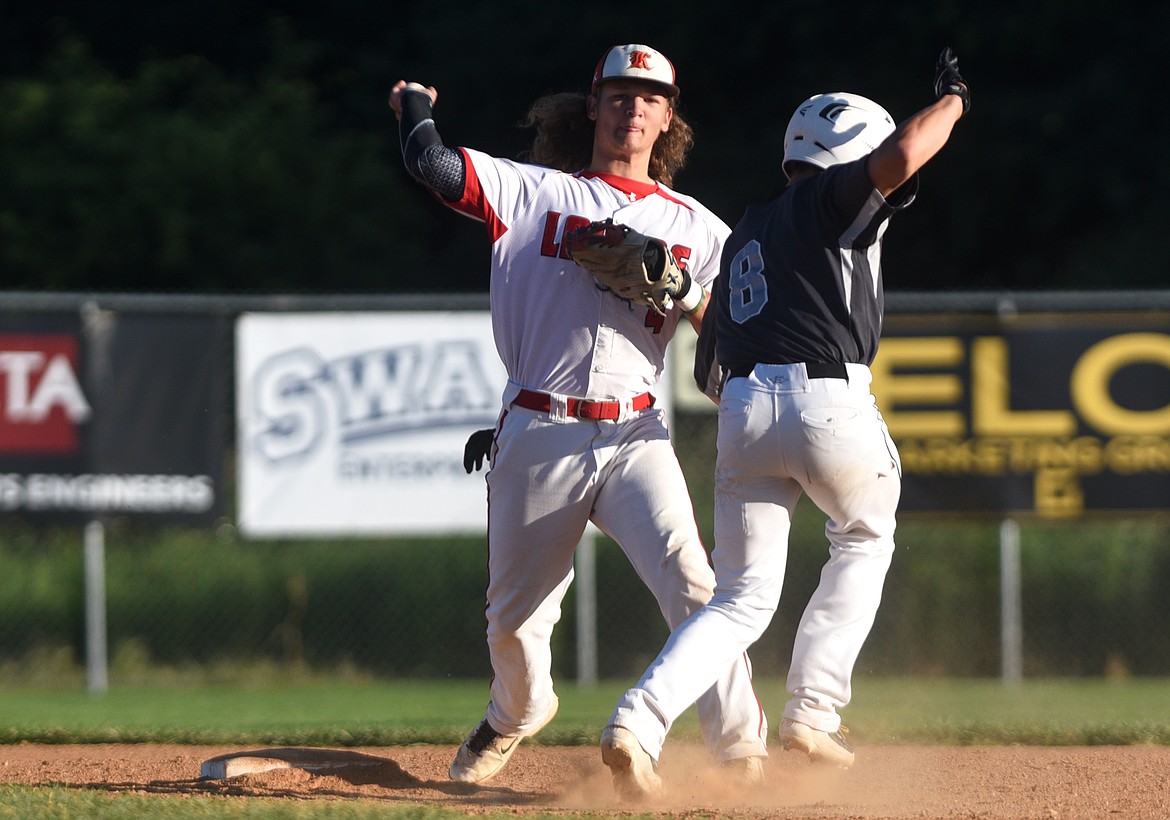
<point x="558" y="407"/>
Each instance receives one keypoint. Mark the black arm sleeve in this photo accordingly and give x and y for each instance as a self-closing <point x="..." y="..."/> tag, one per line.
<point x="426" y="158"/>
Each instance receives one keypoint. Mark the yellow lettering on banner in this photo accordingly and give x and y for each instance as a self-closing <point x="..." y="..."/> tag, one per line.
<point x="893" y="390"/>
<point x="991" y="456"/>
<point x="1082" y="454"/>
<point x="1017" y="455"/>
<point x="1091" y="376"/>
<point x="1139" y="454"/>
<point x="991" y="412"/>
<point x="1058" y="493"/>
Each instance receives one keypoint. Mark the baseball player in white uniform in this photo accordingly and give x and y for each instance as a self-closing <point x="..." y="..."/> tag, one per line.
<point x="579" y="437"/>
<point x="793" y="325"/>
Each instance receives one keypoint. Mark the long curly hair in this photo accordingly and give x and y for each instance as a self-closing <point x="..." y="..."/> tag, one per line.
<point x="564" y="138"/>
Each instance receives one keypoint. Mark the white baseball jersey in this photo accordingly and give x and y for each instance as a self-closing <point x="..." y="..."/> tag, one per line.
<point x="556" y="329"/>
<point x="559" y="332"/>
<point x="578" y="438"/>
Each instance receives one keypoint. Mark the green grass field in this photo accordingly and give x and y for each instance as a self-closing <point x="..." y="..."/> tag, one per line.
<point x="387" y="713"/>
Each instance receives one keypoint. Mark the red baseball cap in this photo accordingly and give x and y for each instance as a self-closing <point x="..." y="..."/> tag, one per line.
<point x="636" y="62"/>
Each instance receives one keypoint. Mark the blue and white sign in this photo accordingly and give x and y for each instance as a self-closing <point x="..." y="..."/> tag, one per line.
<point x="354" y="424"/>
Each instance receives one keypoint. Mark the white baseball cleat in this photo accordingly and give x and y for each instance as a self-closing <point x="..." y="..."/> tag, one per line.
<point x="486" y="751"/>
<point x="821" y="747"/>
<point x="744" y="772"/>
<point x="635" y="773"/>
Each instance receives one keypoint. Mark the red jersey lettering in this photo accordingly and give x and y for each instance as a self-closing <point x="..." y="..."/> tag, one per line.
<point x="548" y="242"/>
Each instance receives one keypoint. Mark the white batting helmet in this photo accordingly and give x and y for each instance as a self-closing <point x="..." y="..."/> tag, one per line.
<point x="828" y="129"/>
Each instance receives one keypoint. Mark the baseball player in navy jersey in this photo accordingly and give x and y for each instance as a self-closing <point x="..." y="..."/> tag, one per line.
<point x="794" y="323"/>
<point x="579" y="437"/>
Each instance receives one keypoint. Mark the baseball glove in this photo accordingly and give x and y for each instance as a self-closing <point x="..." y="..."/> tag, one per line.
<point x="634" y="266"/>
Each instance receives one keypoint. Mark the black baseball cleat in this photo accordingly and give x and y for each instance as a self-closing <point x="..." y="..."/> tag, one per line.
<point x="486" y="751"/>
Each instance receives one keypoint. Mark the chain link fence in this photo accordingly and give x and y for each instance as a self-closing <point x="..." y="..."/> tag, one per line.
<point x="201" y="601"/>
<point x="183" y="603"/>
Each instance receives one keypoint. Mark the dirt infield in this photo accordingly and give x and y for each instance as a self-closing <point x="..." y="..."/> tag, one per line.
<point x="887" y="781"/>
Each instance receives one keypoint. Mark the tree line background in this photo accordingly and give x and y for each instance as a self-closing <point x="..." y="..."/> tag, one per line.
<point x="248" y="147"/>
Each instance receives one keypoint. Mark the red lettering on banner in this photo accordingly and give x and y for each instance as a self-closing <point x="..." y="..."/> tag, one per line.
<point x="41" y="401"/>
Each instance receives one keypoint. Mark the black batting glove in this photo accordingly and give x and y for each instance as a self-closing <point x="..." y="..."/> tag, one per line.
<point x="948" y="80"/>
<point x="478" y="447"/>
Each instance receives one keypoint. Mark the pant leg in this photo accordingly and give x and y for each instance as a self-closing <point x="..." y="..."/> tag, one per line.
<point x="852" y="474"/>
<point x="539" y="495"/>
<point x="705" y="659"/>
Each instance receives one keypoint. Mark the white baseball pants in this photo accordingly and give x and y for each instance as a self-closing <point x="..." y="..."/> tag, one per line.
<point x="781" y="434"/>
<point x="548" y="478"/>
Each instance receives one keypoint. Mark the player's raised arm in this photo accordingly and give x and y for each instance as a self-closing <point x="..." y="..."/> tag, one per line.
<point x="426" y="157"/>
<point x="920" y="137"/>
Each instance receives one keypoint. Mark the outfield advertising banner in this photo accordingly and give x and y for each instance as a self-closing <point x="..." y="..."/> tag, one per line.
<point x="1049" y="413"/>
<point x="105" y="414"/>
<point x="355" y="423"/>
<point x="1053" y="414"/>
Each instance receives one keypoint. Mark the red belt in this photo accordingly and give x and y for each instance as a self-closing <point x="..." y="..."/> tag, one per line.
<point x="582" y="408"/>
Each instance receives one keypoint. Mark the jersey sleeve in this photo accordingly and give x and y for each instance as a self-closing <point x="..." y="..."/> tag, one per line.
<point x="497" y="190"/>
<point x="710" y="269"/>
<point x="854" y="208"/>
<point x="717" y="233"/>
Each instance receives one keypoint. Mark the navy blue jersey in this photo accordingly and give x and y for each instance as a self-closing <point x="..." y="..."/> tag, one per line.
<point x="800" y="278"/>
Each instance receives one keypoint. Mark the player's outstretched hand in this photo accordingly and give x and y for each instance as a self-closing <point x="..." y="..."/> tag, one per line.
<point x="948" y="80"/>
<point x="478" y="448"/>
